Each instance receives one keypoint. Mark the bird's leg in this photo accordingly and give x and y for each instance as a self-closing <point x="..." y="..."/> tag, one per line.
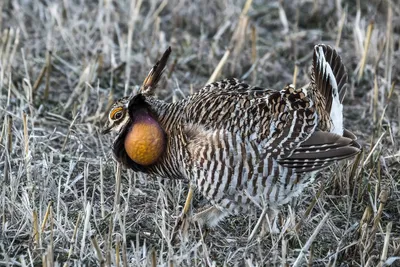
<point x="182" y="220"/>
<point x="271" y="225"/>
<point x="267" y="226"/>
<point x="209" y="217"/>
<point x="259" y="222"/>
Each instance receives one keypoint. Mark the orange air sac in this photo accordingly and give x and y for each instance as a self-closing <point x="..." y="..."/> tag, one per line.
<point x="145" y="141"/>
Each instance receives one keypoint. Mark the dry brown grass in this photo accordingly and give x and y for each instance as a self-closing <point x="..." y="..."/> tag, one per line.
<point x="63" y="200"/>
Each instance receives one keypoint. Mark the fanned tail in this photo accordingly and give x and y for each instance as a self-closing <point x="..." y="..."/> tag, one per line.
<point x="322" y="148"/>
<point x="329" y="77"/>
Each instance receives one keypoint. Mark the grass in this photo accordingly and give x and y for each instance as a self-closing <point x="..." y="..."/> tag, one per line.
<point x="63" y="200"/>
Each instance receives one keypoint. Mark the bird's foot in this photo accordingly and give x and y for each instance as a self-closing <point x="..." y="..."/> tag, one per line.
<point x="181" y="227"/>
<point x="268" y="223"/>
<point x="182" y="222"/>
<point x="270" y="227"/>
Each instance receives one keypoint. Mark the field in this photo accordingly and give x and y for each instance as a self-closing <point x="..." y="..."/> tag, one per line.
<point x="65" y="202"/>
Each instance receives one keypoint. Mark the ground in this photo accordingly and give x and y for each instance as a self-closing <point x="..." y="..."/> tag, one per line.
<point x="62" y="63"/>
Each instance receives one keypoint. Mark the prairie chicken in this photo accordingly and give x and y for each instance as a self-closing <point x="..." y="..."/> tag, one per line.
<point x="240" y="145"/>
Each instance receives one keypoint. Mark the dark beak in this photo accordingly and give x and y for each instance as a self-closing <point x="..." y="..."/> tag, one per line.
<point x="106" y="130"/>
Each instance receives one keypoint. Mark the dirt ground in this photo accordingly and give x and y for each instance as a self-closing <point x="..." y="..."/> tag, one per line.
<point x="63" y="200"/>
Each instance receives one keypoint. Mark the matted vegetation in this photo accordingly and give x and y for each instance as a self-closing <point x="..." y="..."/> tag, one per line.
<point x="64" y="200"/>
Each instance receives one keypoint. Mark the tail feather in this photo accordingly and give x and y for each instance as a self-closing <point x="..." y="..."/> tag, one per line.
<point x="322" y="148"/>
<point x="329" y="77"/>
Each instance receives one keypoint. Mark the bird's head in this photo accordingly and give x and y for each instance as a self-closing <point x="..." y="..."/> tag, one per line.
<point x="121" y="111"/>
<point x="141" y="138"/>
<point x="118" y="116"/>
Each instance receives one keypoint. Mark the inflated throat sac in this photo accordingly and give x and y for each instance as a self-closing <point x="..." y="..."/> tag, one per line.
<point x="145" y="141"/>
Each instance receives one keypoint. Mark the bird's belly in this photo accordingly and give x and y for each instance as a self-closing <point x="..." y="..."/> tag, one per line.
<point x="243" y="188"/>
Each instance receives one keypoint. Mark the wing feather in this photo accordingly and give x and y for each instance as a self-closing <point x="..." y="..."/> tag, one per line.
<point x="319" y="151"/>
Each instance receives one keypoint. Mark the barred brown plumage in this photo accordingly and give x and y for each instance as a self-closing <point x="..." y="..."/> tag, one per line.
<point x="241" y="145"/>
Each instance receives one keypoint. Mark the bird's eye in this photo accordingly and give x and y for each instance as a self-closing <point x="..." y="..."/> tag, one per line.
<point x="118" y="115"/>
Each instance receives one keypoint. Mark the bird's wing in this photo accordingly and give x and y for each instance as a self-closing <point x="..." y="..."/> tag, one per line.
<point x="320" y="150"/>
<point x="261" y="124"/>
<point x="271" y="123"/>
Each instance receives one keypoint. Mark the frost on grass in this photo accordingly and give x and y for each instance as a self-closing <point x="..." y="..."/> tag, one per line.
<point x="62" y="63"/>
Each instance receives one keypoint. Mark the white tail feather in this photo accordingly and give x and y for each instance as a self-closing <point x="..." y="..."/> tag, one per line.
<point x="336" y="112"/>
